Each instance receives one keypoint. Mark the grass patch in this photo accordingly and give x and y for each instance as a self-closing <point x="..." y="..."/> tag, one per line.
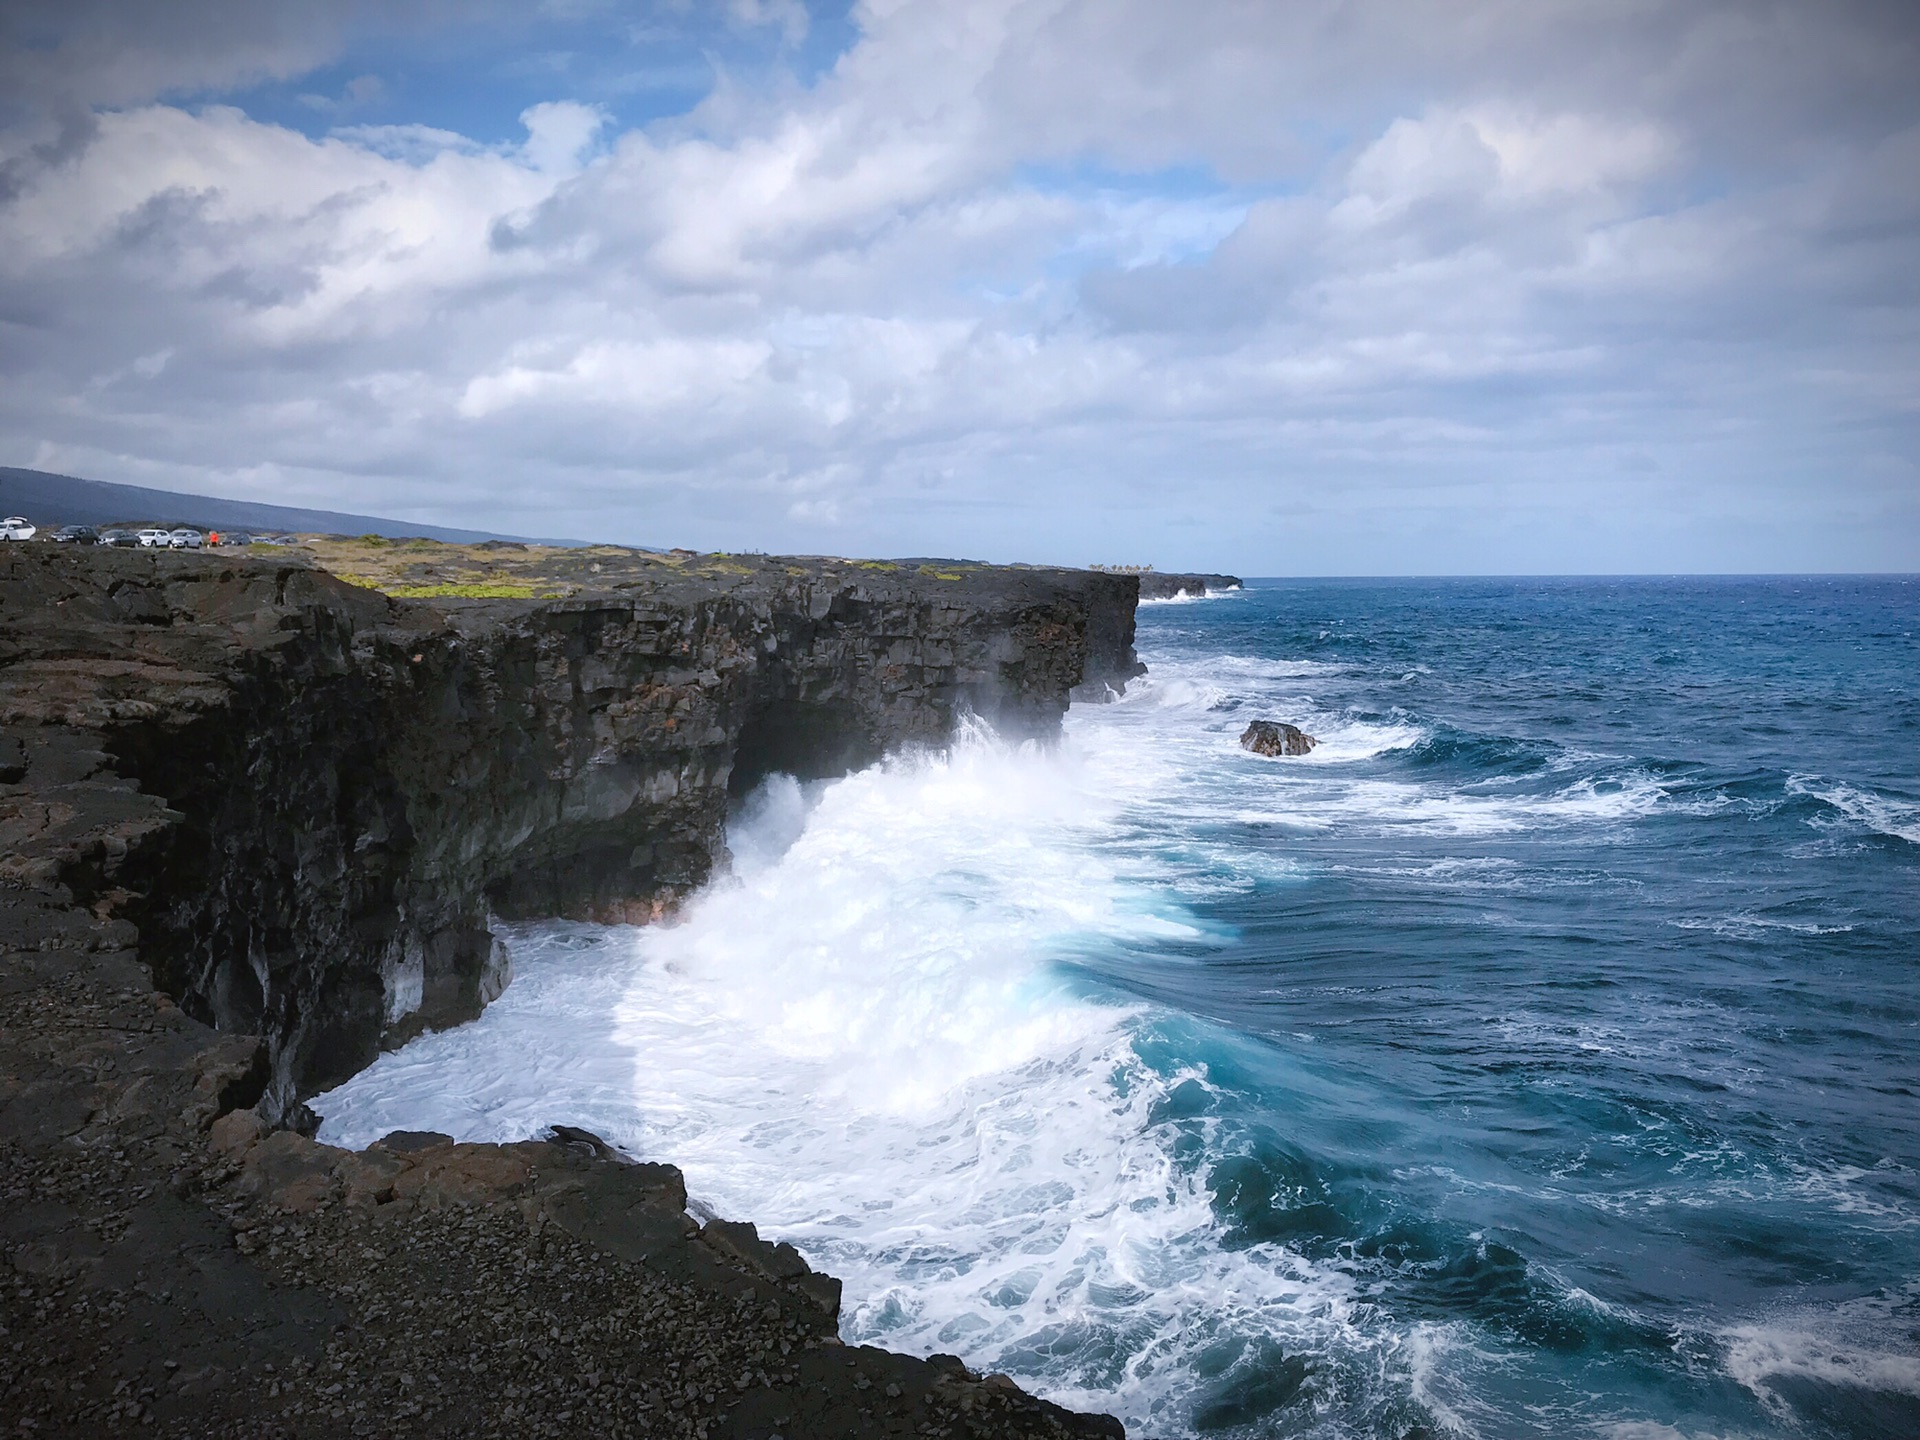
<point x="931" y="573"/>
<point x="493" y="591"/>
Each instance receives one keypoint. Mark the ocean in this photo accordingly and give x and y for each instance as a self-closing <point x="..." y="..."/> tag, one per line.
<point x="1539" y="1055"/>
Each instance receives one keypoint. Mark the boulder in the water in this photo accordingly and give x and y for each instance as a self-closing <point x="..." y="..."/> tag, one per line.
<point x="1276" y="737"/>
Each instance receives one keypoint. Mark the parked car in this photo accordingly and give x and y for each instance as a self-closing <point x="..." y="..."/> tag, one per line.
<point x="76" y="535"/>
<point x="234" y="537"/>
<point x="186" y="539"/>
<point x="152" y="539"/>
<point x="123" y="538"/>
<point x="18" y="527"/>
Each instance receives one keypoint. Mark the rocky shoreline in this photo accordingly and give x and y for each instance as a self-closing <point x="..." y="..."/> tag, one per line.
<point x="256" y="821"/>
<point x="1165" y="585"/>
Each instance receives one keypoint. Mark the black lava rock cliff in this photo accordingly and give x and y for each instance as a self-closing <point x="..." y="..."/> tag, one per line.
<point x="254" y="822"/>
<point x="353" y="784"/>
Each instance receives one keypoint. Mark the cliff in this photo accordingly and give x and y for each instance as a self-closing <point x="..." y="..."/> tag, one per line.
<point x="354" y="783"/>
<point x="294" y="802"/>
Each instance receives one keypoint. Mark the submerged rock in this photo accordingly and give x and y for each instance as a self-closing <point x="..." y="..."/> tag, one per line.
<point x="1276" y="737"/>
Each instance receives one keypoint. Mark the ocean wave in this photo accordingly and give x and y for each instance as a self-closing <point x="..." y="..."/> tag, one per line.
<point x="1839" y="1189"/>
<point x="1376" y="807"/>
<point x="1758" y="1357"/>
<point x="1480" y="754"/>
<point x="1185" y="598"/>
<point x="1891" y="815"/>
<point x="1240" y="669"/>
<point x="862" y="1041"/>
<point x="1747" y="924"/>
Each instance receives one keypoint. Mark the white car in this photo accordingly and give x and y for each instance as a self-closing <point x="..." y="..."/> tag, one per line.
<point x="185" y="539"/>
<point x="17" y="527"/>
<point x="151" y="539"/>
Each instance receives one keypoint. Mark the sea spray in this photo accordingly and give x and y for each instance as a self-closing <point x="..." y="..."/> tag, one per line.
<point x="865" y="1040"/>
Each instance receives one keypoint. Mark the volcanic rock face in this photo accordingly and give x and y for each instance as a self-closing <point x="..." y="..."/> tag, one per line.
<point x="1276" y="737"/>
<point x="1164" y="585"/>
<point x="295" y="804"/>
<point x="342" y="788"/>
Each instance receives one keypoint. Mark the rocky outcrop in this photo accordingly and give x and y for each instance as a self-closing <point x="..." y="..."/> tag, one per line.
<point x="173" y="1268"/>
<point x="347" y="786"/>
<point x="294" y="804"/>
<point x="1276" y="737"/>
<point x="1161" y="585"/>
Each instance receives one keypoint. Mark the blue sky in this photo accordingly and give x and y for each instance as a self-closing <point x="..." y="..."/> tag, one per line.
<point x="1324" y="288"/>
<point x="639" y="65"/>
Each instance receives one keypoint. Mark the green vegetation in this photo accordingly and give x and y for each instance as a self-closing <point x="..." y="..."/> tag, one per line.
<point x="417" y="568"/>
<point x="493" y="591"/>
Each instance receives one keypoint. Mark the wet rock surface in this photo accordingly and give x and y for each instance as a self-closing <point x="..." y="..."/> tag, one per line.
<point x="217" y="771"/>
<point x="1276" y="737"/>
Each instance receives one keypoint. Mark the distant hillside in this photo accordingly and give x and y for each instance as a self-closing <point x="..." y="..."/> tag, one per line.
<point x="50" y="500"/>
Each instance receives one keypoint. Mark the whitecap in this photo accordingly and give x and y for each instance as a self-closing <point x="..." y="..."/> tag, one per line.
<point x="1755" y="1356"/>
<point x="1885" y="814"/>
<point x="1188" y="598"/>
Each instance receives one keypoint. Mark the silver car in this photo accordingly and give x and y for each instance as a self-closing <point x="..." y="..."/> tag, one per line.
<point x="185" y="539"/>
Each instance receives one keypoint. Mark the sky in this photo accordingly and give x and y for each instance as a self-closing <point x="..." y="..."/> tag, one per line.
<point x="1302" y="288"/>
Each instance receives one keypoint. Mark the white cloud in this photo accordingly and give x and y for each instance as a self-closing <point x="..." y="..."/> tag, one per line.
<point x="559" y="134"/>
<point x="1037" y="277"/>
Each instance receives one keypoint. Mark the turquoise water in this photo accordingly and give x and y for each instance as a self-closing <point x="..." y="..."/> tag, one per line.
<point x="1538" y="1056"/>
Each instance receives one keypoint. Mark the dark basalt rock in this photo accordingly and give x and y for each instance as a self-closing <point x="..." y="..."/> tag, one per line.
<point x="1162" y="585"/>
<point x="1276" y="737"/>
<point x="348" y="786"/>
<point x="253" y="822"/>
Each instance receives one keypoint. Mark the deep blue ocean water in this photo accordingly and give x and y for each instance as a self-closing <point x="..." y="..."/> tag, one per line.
<point x="1537" y="1057"/>
<point x="1618" y="1087"/>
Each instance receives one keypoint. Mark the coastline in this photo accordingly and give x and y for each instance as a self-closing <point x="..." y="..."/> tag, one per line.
<point x="182" y="1262"/>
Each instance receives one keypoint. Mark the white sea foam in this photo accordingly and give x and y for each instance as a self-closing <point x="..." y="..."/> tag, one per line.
<point x="1185" y="598"/>
<point x="1839" y="1189"/>
<point x="1747" y="924"/>
<point x="860" y="1041"/>
<point x="1886" y="814"/>
<point x="1756" y="1356"/>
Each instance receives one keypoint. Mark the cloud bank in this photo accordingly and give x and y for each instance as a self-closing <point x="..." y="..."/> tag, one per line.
<point x="1317" y="288"/>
